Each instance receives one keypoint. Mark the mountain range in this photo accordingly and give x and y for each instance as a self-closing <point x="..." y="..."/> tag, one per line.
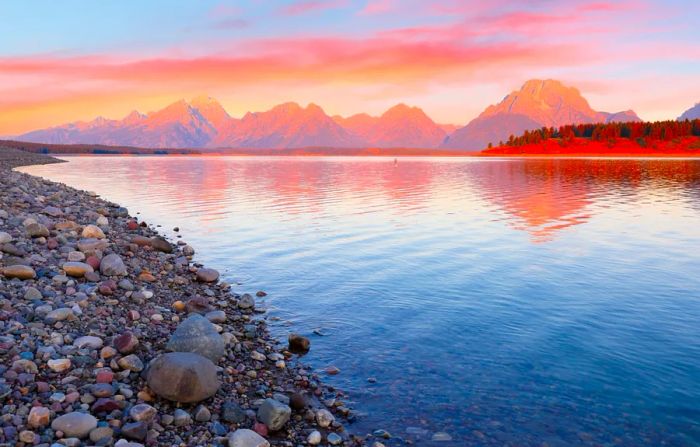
<point x="204" y="123"/>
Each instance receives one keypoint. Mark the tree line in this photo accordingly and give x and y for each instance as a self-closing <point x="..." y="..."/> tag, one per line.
<point x="642" y="132"/>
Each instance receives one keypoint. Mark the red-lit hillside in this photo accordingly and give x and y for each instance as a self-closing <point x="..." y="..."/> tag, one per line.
<point x="664" y="138"/>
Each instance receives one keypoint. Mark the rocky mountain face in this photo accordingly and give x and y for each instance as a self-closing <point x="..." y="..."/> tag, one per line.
<point x="537" y="104"/>
<point x="203" y="123"/>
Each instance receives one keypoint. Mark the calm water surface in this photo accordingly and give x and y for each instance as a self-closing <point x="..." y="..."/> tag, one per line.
<point x="504" y="302"/>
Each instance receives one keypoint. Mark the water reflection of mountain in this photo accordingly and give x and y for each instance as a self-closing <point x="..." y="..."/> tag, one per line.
<point x="545" y="196"/>
<point x="540" y="196"/>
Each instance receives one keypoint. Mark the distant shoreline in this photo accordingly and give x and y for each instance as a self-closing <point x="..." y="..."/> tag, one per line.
<point x="59" y="150"/>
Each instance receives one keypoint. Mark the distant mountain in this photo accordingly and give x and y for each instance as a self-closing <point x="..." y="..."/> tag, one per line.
<point x="400" y="126"/>
<point x="537" y="104"/>
<point x="203" y="123"/>
<point x="286" y="126"/>
<point x="692" y="113"/>
<point x="179" y="125"/>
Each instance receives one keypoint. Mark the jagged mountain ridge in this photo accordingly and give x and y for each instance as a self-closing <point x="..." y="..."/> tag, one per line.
<point x="204" y="123"/>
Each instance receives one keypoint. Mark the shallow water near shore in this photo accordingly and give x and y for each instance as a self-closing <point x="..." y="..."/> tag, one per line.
<point x="501" y="301"/>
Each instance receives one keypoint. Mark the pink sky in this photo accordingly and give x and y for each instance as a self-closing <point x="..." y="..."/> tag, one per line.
<point x="78" y="60"/>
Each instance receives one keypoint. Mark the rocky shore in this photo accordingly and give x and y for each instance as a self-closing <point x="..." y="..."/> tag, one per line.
<point x="112" y="335"/>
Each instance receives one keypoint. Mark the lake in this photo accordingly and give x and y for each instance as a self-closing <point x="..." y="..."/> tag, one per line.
<point x="486" y="301"/>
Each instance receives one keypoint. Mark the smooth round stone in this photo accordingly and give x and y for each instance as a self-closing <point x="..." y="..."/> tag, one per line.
<point x="246" y="302"/>
<point x="66" y="225"/>
<point x="93" y="231"/>
<point x="126" y="343"/>
<point x="298" y="343"/>
<point x="77" y="269"/>
<point x="88" y="341"/>
<point x="314" y="438"/>
<point x="102" y="221"/>
<point x="181" y="418"/>
<point x="39" y="417"/>
<point x="75" y="424"/>
<point x="183" y="377"/>
<point x="27" y="436"/>
<point x="37" y="230"/>
<point x="160" y="244"/>
<point x="142" y="413"/>
<point x="198" y="335"/>
<point x="297" y="401"/>
<point x="60" y="314"/>
<point x="32" y="294"/>
<point x="102" y="390"/>
<point x="334" y="439"/>
<point x="112" y="265"/>
<point x="5" y="237"/>
<point x="76" y="256"/>
<point x="324" y="418"/>
<point x="216" y="316"/>
<point x="52" y="211"/>
<point x="19" y="271"/>
<point x="131" y="362"/>
<point x="188" y="250"/>
<point x="244" y="437"/>
<point x="59" y="365"/>
<point x="135" y="430"/>
<point x="202" y="414"/>
<point x="91" y="244"/>
<point x="207" y="275"/>
<point x="255" y="355"/>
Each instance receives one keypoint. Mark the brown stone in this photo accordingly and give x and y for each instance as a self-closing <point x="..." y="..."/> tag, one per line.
<point x="19" y="271"/>
<point x="183" y="377"/>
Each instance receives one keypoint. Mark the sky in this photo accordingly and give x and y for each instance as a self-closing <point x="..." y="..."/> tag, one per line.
<point x="76" y="60"/>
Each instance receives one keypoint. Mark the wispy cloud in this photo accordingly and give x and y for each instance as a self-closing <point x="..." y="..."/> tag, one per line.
<point x="308" y="6"/>
<point x="378" y="7"/>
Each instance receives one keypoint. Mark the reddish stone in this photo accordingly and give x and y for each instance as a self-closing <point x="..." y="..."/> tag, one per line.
<point x="104" y="376"/>
<point x="260" y="429"/>
<point x="133" y="315"/>
<point x="146" y="277"/>
<point x="52" y="244"/>
<point x="72" y="397"/>
<point x="126" y="343"/>
<point x="132" y="225"/>
<point x="93" y="261"/>
<point x="104" y="290"/>
<point x="105" y="404"/>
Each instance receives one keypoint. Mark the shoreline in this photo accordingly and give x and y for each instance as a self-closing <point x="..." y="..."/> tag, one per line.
<point x="90" y="297"/>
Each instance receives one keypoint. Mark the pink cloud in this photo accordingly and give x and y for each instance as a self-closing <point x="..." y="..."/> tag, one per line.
<point x="307" y="6"/>
<point x="377" y="7"/>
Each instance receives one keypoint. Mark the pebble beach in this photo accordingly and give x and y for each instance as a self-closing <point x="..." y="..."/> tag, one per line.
<point x="112" y="335"/>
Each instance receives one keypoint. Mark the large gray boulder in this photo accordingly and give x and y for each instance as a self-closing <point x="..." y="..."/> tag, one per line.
<point x="183" y="377"/>
<point x="197" y="334"/>
<point x="274" y="414"/>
